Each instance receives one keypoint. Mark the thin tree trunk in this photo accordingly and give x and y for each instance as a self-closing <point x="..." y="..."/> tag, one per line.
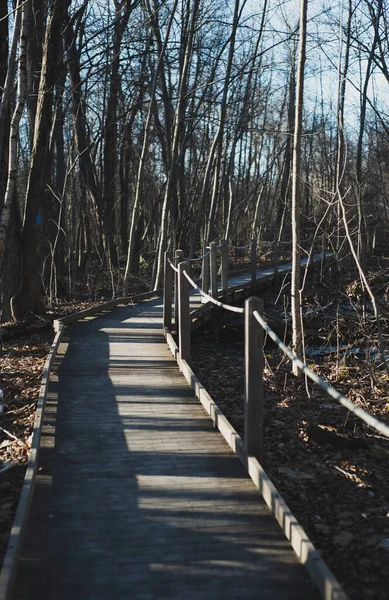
<point x="177" y="138"/>
<point x="3" y="74"/>
<point x="222" y="119"/>
<point x="10" y="77"/>
<point x="142" y="161"/>
<point x="14" y="134"/>
<point x="297" y="341"/>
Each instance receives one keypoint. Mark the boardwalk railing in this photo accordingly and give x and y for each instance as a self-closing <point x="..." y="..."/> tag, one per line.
<point x="255" y="326"/>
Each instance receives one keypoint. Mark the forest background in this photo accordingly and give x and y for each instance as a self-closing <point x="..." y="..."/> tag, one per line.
<point x="130" y="127"/>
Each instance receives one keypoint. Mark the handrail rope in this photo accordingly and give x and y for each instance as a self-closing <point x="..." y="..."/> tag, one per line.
<point x="242" y="247"/>
<point x="191" y="260"/>
<point x="172" y="266"/>
<point x="210" y="299"/>
<point x="359" y="412"/>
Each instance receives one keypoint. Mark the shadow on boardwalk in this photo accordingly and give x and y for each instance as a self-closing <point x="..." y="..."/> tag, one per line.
<point x="138" y="497"/>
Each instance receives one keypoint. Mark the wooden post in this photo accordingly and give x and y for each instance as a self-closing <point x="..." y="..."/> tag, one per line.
<point x="178" y="257"/>
<point x="167" y="292"/>
<point x="214" y="285"/>
<point x="253" y="396"/>
<point x="224" y="269"/>
<point x="183" y="313"/>
<point x="254" y="264"/>
<point x="323" y="253"/>
<point x="205" y="271"/>
<point x="275" y="260"/>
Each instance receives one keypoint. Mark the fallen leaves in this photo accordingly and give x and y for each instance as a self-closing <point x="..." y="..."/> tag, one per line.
<point x="21" y="366"/>
<point x="339" y="494"/>
<point x="342" y="539"/>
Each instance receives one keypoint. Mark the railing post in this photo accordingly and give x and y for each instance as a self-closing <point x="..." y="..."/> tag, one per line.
<point x="167" y="292"/>
<point x="253" y="396"/>
<point x="275" y="260"/>
<point x="323" y="253"/>
<point x="183" y="313"/>
<point x="224" y="268"/>
<point x="213" y="250"/>
<point x="205" y="271"/>
<point x="254" y="264"/>
<point x="178" y="257"/>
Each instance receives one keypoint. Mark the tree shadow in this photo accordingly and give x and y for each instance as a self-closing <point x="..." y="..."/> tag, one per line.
<point x="137" y="496"/>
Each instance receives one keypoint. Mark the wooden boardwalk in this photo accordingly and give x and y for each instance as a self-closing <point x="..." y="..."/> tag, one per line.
<point x="138" y="496"/>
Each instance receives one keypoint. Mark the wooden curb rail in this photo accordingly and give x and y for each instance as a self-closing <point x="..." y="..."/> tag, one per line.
<point x="321" y="576"/>
<point x="9" y="567"/>
<point x="250" y="451"/>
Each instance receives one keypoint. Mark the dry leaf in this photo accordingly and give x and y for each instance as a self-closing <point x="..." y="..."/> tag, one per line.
<point x="343" y="538"/>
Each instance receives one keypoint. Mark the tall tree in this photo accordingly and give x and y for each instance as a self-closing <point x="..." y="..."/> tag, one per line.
<point x="296" y="189"/>
<point x="29" y="297"/>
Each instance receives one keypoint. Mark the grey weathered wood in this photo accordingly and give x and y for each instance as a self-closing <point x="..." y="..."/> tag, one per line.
<point x="224" y="268"/>
<point x="253" y="399"/>
<point x="178" y="257"/>
<point x="167" y="292"/>
<point x="213" y="260"/>
<point x="253" y="262"/>
<point x="205" y="269"/>
<point x="183" y="313"/>
<point x="323" y="253"/>
<point x="104" y="306"/>
<point x="167" y="515"/>
<point x="275" y="259"/>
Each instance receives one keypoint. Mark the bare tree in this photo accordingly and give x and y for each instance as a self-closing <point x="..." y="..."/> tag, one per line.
<point x="296" y="187"/>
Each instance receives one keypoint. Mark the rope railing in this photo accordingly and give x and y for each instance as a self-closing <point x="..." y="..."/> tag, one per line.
<point x="242" y="247"/>
<point x="178" y="278"/>
<point x="193" y="260"/>
<point x="172" y="266"/>
<point x="235" y="309"/>
<point x="356" y="410"/>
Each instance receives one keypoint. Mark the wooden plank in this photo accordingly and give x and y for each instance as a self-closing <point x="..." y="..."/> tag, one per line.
<point x="320" y="574"/>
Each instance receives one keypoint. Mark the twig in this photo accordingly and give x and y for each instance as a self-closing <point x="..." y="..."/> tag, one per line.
<point x="13" y="437"/>
<point x="7" y="466"/>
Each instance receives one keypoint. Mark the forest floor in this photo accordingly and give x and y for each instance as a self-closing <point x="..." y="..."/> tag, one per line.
<point x="332" y="471"/>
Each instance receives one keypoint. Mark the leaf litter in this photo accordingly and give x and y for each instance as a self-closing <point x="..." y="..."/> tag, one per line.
<point x="331" y="469"/>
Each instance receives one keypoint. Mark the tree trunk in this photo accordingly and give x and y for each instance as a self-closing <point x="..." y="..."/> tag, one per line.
<point x="3" y="74"/>
<point x="29" y="297"/>
<point x="297" y="341"/>
<point x="139" y="182"/>
<point x="12" y="171"/>
<point x="35" y="18"/>
<point x="176" y="144"/>
<point x="83" y="145"/>
<point x="10" y="70"/>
